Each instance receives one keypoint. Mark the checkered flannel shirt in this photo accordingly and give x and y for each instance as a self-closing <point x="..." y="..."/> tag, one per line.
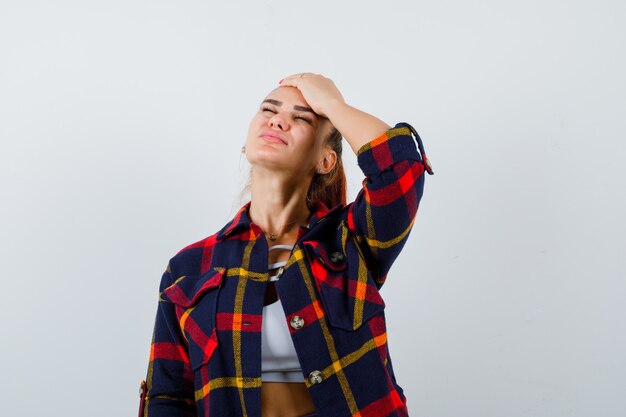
<point x="205" y="356"/>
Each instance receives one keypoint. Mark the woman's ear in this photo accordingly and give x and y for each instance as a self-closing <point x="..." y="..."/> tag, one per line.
<point x="328" y="161"/>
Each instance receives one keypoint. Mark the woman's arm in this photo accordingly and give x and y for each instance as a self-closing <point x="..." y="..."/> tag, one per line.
<point x="383" y="213"/>
<point x="168" y="390"/>
<point x="356" y="126"/>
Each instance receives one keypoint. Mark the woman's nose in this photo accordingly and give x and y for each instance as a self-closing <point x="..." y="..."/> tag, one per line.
<point x="277" y="121"/>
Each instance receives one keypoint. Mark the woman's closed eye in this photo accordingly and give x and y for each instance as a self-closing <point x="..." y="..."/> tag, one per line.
<point x="304" y="118"/>
<point x="309" y="121"/>
<point x="267" y="109"/>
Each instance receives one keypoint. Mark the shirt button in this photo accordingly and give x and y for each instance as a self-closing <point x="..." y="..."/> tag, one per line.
<point x="336" y="257"/>
<point x="296" y="322"/>
<point x="315" y="377"/>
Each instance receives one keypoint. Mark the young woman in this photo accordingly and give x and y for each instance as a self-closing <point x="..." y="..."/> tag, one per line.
<point x="278" y="314"/>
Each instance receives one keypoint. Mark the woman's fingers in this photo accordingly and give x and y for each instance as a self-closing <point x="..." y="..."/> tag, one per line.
<point x="293" y="80"/>
<point x="298" y="75"/>
<point x="316" y="89"/>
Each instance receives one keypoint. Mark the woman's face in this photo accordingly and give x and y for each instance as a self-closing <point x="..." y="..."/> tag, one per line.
<point x="285" y="134"/>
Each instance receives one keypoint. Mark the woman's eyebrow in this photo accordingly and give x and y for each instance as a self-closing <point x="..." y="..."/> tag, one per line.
<point x="296" y="107"/>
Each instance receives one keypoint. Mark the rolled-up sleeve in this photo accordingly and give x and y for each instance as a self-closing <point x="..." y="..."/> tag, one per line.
<point x="382" y="215"/>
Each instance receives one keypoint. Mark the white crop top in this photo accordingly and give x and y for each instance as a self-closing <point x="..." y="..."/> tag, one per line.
<point x="279" y="361"/>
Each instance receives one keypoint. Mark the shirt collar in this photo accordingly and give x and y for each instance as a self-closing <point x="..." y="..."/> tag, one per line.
<point x="241" y="219"/>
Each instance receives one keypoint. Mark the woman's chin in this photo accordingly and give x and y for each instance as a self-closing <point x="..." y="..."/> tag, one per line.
<point x="269" y="160"/>
<point x="270" y="152"/>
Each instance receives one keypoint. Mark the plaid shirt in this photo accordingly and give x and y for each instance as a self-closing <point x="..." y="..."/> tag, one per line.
<point x="205" y="356"/>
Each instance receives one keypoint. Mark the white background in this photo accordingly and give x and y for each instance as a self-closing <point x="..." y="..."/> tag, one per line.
<point x="121" y="124"/>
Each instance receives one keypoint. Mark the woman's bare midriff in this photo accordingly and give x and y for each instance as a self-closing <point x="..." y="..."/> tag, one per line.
<point x="285" y="399"/>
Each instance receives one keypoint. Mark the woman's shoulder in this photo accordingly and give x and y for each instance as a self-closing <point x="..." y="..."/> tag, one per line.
<point x="191" y="258"/>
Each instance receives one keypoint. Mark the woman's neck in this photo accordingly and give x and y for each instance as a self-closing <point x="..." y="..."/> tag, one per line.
<point x="278" y="204"/>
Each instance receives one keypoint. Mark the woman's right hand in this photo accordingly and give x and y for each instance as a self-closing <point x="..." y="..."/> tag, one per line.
<point x="320" y="92"/>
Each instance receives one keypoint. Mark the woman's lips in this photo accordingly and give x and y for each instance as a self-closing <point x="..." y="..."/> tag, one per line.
<point x="272" y="139"/>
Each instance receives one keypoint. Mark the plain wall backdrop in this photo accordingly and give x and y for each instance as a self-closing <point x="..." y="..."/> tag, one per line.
<point x="121" y="124"/>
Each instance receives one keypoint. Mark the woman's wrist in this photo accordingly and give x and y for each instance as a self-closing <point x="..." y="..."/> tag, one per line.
<point x="334" y="107"/>
<point x="356" y="126"/>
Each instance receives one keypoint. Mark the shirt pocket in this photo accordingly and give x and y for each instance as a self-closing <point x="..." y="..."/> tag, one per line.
<point x="196" y="299"/>
<point x="346" y="287"/>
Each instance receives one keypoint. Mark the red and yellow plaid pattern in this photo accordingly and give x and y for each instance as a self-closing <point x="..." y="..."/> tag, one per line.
<point x="205" y="356"/>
